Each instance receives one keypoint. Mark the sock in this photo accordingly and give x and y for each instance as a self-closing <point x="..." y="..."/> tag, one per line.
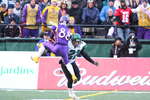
<point x="41" y="51"/>
<point x="70" y="91"/>
<point x="72" y="94"/>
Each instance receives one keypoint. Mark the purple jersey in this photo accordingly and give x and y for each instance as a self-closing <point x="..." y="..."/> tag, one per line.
<point x="63" y="35"/>
<point x="61" y="46"/>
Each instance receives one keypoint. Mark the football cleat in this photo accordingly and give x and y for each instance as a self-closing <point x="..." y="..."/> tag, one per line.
<point x="73" y="95"/>
<point x="35" y="59"/>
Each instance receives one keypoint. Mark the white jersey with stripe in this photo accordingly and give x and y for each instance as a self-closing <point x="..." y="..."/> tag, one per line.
<point x="75" y="51"/>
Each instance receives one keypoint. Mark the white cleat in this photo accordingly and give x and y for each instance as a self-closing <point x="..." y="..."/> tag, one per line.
<point x="76" y="98"/>
<point x="73" y="95"/>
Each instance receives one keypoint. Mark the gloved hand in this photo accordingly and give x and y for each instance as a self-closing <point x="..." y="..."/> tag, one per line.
<point x="60" y="61"/>
<point x="74" y="78"/>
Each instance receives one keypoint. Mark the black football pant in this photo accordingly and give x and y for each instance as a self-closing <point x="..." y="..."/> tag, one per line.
<point x="68" y="75"/>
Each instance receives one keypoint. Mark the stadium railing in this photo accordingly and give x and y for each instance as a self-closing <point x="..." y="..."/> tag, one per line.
<point x="98" y="30"/>
<point x="101" y="45"/>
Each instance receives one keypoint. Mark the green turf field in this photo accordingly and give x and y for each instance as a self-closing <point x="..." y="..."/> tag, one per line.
<point x="62" y="95"/>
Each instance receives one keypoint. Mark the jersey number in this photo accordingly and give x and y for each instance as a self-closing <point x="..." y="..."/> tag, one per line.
<point x="64" y="34"/>
<point x="73" y="54"/>
<point x="125" y="17"/>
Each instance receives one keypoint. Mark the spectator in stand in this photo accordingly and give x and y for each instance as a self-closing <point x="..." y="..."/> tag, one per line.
<point x="143" y="11"/>
<point x="50" y="16"/>
<point x="110" y="21"/>
<point x="129" y="3"/>
<point x="17" y="9"/>
<point x="76" y="12"/>
<point x="99" y="4"/>
<point x="90" y="13"/>
<point x="104" y="12"/>
<point x="133" y="3"/>
<point x="43" y="4"/>
<point x="11" y="16"/>
<point x="105" y="2"/>
<point x="132" y="46"/>
<point x="118" y="48"/>
<point x="23" y="3"/>
<point x="13" y="19"/>
<point x="90" y="16"/>
<point x="83" y="3"/>
<point x="31" y="16"/>
<point x="63" y="10"/>
<point x="3" y="13"/>
<point x="11" y="30"/>
<point x="117" y="4"/>
<point x="74" y="29"/>
<point x="68" y="2"/>
<point x="123" y="17"/>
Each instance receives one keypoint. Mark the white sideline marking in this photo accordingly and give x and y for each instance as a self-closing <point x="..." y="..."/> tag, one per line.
<point x="47" y="99"/>
<point x="123" y="92"/>
<point x="118" y="92"/>
<point x="56" y="91"/>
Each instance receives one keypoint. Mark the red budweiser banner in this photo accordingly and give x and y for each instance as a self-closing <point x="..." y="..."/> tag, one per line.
<point x="111" y="74"/>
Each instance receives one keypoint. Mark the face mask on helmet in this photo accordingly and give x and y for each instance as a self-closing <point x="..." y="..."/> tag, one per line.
<point x="76" y="39"/>
<point x="76" y="43"/>
<point x="63" y="23"/>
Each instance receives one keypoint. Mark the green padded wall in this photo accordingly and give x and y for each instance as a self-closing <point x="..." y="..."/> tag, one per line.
<point x="95" y="47"/>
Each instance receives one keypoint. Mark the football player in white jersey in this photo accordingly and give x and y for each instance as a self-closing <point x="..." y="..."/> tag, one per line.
<point x="76" y="47"/>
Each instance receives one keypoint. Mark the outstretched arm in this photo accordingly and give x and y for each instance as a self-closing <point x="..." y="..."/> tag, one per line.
<point x="88" y="58"/>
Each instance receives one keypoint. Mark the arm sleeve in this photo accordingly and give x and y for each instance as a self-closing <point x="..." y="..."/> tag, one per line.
<point x="135" y="10"/>
<point x="83" y="16"/>
<point x="102" y="15"/>
<point x="131" y="18"/>
<point x="117" y="12"/>
<point x="97" y="16"/>
<point x="38" y="17"/>
<point x="86" y="56"/>
<point x="148" y="12"/>
<point x="44" y="17"/>
<point x="24" y="14"/>
<point x="118" y="20"/>
<point x="117" y="15"/>
<point x="6" y="20"/>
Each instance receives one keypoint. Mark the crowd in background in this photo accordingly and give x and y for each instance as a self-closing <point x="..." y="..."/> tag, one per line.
<point x="36" y="16"/>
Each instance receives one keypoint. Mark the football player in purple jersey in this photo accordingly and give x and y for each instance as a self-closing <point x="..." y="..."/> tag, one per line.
<point x="60" y="47"/>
